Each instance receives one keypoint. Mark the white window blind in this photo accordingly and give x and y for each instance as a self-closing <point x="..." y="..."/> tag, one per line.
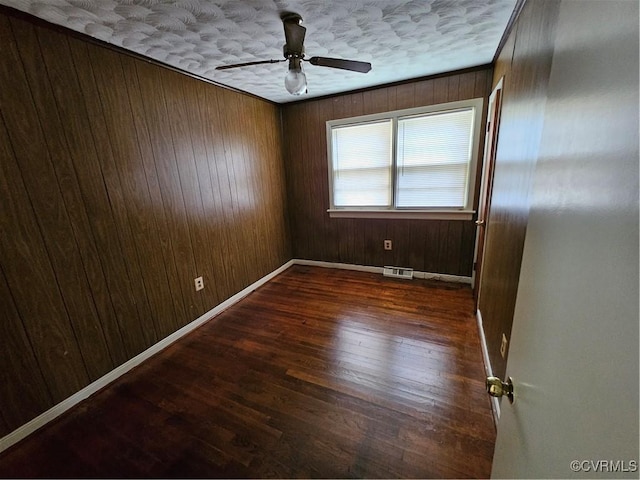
<point x="433" y="156"/>
<point x="405" y="163"/>
<point x="362" y="164"/>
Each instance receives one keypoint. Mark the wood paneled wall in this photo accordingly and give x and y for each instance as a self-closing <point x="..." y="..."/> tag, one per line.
<point x="525" y="63"/>
<point x="426" y="245"/>
<point x="120" y="182"/>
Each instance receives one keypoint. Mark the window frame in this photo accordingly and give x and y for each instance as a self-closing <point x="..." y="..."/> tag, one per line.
<point x="443" y="213"/>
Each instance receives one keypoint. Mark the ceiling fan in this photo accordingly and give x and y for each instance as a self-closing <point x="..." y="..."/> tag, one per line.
<point x="296" y="81"/>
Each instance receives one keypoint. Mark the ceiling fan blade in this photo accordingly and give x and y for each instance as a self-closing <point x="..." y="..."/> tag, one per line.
<point x="353" y="65"/>
<point x="294" y="35"/>
<point x="236" y="65"/>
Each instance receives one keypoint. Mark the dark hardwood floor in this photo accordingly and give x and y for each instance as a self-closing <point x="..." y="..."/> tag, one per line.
<point x="319" y="373"/>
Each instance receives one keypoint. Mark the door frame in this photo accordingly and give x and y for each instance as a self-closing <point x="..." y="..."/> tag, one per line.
<point x="486" y="185"/>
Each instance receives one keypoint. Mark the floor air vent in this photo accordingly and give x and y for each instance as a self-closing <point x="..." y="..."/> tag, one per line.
<point x="398" y="272"/>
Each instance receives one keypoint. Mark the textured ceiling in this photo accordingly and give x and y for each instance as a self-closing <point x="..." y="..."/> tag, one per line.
<point x="402" y="39"/>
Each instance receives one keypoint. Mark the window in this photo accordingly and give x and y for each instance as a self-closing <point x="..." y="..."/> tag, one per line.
<point x="415" y="163"/>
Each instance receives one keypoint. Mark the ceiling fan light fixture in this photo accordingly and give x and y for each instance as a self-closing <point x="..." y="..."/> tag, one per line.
<point x="295" y="81"/>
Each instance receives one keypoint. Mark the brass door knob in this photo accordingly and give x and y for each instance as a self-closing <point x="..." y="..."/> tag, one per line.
<point x="498" y="388"/>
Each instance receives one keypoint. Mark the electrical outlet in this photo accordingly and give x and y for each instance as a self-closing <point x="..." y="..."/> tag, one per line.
<point x="388" y="245"/>
<point x="503" y="346"/>
<point x="199" y="283"/>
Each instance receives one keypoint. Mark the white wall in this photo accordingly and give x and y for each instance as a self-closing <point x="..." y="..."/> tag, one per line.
<point x="574" y="350"/>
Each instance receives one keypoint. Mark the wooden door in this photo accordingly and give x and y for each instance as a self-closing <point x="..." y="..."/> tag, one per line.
<point x="574" y="343"/>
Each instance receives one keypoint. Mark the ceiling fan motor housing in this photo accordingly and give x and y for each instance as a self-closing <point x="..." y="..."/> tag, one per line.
<point x="294" y="34"/>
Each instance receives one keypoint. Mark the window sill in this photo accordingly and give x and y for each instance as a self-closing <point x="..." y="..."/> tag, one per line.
<point x="404" y="214"/>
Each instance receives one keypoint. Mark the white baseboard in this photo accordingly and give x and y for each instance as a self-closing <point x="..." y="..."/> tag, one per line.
<point x="341" y="266"/>
<point x="495" y="403"/>
<point x="57" y="410"/>
<point x="365" y="268"/>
